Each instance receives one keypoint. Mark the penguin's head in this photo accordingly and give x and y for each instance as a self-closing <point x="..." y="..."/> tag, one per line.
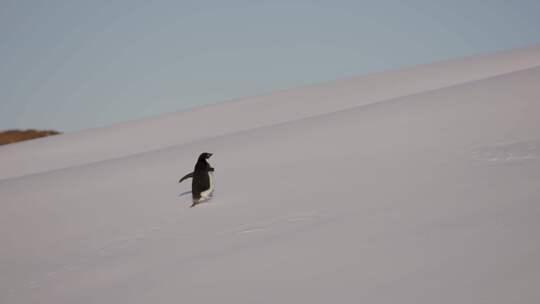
<point x="205" y="156"/>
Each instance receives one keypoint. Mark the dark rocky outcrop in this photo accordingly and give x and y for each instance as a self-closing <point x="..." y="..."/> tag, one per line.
<point x="13" y="136"/>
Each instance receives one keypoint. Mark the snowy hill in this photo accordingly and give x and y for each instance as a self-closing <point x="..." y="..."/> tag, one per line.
<point x="411" y="186"/>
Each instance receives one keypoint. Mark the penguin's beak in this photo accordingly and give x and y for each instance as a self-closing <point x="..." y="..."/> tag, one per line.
<point x="210" y="155"/>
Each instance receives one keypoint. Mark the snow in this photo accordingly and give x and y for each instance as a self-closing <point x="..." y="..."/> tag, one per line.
<point x="412" y="186"/>
<point x="160" y="132"/>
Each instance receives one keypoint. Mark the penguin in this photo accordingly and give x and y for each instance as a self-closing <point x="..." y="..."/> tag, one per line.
<point x="202" y="185"/>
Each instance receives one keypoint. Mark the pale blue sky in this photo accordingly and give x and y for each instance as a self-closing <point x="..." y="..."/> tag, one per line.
<point x="70" y="65"/>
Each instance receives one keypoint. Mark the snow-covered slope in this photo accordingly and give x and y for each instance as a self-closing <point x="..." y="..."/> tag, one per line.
<point x="179" y="128"/>
<point x="411" y="186"/>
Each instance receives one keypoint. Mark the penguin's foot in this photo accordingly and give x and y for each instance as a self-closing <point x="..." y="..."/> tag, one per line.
<point x="200" y="201"/>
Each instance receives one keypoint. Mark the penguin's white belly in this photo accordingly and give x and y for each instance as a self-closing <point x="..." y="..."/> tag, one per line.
<point x="208" y="193"/>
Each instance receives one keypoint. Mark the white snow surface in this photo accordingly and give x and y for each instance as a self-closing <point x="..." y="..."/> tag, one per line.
<point x="420" y="185"/>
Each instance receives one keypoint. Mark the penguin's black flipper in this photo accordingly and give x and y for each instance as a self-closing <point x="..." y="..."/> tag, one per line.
<point x="190" y="175"/>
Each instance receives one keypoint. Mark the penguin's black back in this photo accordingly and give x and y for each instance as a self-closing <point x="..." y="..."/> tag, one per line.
<point x="200" y="183"/>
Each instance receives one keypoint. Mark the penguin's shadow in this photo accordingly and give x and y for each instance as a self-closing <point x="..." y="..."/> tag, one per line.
<point x="184" y="193"/>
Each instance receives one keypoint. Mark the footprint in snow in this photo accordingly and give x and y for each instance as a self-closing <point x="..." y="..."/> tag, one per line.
<point x="523" y="150"/>
<point x="285" y="222"/>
